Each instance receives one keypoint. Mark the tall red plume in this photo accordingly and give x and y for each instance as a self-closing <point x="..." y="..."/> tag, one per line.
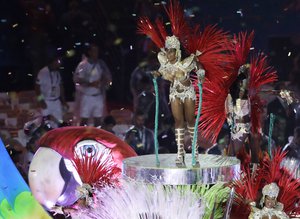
<point x="247" y="190"/>
<point x="213" y="43"/>
<point x="271" y="170"/>
<point x="161" y="29"/>
<point x="241" y="48"/>
<point x="146" y="27"/>
<point x="290" y="194"/>
<point x="213" y="109"/>
<point x="260" y="74"/>
<point x="242" y="44"/>
<point x="179" y="26"/>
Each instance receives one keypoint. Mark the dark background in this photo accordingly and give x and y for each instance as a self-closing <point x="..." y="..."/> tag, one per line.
<point x="31" y="30"/>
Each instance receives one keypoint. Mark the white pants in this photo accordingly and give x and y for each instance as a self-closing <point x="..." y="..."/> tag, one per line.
<point x="91" y="106"/>
<point x="54" y="108"/>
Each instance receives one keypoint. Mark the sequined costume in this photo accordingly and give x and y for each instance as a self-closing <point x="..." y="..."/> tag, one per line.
<point x="181" y="87"/>
<point x="269" y="213"/>
<point x="206" y="55"/>
<point x="180" y="70"/>
<point x="275" y="211"/>
<point x="235" y="117"/>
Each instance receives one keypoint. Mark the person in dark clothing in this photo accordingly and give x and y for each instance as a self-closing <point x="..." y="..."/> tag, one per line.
<point x="166" y="137"/>
<point x="139" y="137"/>
<point x="108" y="123"/>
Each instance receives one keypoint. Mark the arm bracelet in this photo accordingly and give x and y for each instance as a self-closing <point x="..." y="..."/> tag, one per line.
<point x="40" y="97"/>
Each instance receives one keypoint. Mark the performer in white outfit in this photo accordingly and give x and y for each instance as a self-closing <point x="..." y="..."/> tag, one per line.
<point x="92" y="78"/>
<point x="50" y="92"/>
<point x="271" y="208"/>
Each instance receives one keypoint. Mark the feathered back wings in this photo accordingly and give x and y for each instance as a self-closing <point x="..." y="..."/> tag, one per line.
<point x="215" y="92"/>
<point x="213" y="45"/>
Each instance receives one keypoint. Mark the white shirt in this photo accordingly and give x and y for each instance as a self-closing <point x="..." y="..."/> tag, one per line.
<point x="90" y="72"/>
<point x="49" y="83"/>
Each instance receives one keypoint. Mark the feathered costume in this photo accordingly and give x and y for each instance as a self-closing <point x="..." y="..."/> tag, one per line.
<point x="207" y="46"/>
<point x="253" y="182"/>
<point x="216" y="94"/>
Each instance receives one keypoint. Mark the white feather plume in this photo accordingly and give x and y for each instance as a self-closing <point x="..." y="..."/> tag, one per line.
<point x="143" y="201"/>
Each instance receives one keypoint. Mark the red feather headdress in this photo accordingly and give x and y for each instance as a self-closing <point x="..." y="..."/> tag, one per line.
<point x="211" y="42"/>
<point x="241" y="45"/>
<point x="179" y="26"/>
<point x="156" y="33"/>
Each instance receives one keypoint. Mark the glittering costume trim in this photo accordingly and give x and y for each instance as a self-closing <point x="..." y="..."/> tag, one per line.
<point x="183" y="93"/>
<point x="239" y="130"/>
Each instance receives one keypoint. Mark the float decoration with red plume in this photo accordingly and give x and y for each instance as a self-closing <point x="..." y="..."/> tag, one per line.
<point x="64" y="141"/>
<point x="102" y="165"/>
